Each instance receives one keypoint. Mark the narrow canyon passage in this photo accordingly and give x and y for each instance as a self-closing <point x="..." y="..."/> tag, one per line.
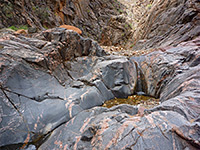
<point x="64" y="90"/>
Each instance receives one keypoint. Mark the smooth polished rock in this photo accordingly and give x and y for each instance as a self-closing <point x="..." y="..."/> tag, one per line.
<point x="47" y="80"/>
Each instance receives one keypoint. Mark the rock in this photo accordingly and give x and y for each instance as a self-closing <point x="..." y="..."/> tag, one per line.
<point x="172" y="124"/>
<point x="21" y="31"/>
<point x="6" y="31"/>
<point x="89" y="16"/>
<point x="71" y="28"/>
<point x="32" y="30"/>
<point x="52" y="85"/>
<point x="168" y="23"/>
<point x="141" y="111"/>
<point x="116" y="32"/>
<point x="47" y="80"/>
<point x="130" y="133"/>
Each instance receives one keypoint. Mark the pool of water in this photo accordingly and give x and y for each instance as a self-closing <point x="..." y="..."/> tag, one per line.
<point x="145" y="101"/>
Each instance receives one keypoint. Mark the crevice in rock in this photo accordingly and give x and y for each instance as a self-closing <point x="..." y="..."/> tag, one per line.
<point x="15" y="107"/>
<point x="191" y="141"/>
<point x="167" y="108"/>
<point x="127" y="134"/>
<point x="39" y="98"/>
<point x="141" y="85"/>
<point x="140" y="135"/>
<point x="86" y="82"/>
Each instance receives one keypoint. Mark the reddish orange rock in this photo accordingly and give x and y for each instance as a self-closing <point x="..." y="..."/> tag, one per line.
<point x="71" y="28"/>
<point x="141" y="111"/>
<point x="21" y="31"/>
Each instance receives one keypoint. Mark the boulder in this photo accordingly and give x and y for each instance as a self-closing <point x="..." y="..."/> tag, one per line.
<point x="21" y="31"/>
<point x="71" y="28"/>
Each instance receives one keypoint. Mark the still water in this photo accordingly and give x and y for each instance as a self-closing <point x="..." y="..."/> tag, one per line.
<point x="145" y="101"/>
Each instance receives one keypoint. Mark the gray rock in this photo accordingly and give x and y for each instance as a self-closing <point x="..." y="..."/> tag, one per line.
<point x="46" y="81"/>
<point x="172" y="124"/>
<point x="49" y="91"/>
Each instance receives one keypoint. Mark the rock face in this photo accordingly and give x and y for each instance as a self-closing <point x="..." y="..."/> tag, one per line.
<point x="53" y="84"/>
<point x="50" y="85"/>
<point x="145" y="24"/>
<point x="168" y="22"/>
<point x="88" y="15"/>
<point x="116" y="32"/>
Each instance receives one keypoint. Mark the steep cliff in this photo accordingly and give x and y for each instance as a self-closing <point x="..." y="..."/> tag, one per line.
<point x="128" y="23"/>
<point x="88" y="15"/>
<point x="168" y="22"/>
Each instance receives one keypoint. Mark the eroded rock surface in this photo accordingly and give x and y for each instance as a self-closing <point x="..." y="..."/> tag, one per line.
<point x="171" y="73"/>
<point x="47" y="80"/>
<point x="50" y="83"/>
<point x="88" y="15"/>
<point x="168" y="22"/>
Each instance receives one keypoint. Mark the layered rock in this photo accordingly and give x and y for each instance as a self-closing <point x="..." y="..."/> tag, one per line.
<point x="117" y="32"/>
<point x="89" y="16"/>
<point x="50" y="83"/>
<point x="171" y="73"/>
<point x="168" y="22"/>
<point x="128" y="23"/>
<point x="49" y="79"/>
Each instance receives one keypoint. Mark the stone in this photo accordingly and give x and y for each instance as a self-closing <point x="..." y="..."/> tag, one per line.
<point x="21" y="31"/>
<point x="47" y="80"/>
<point x="172" y="124"/>
<point x="167" y="23"/>
<point x="68" y="27"/>
<point x="32" y="30"/>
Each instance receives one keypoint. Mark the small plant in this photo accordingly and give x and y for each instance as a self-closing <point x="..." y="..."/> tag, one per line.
<point x="149" y="6"/>
<point x="9" y="15"/>
<point x="126" y="25"/>
<point x="132" y="45"/>
<point x="120" y="10"/>
<point x="25" y="27"/>
<point x="34" y="8"/>
<point x="45" y="27"/>
<point x="130" y="25"/>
